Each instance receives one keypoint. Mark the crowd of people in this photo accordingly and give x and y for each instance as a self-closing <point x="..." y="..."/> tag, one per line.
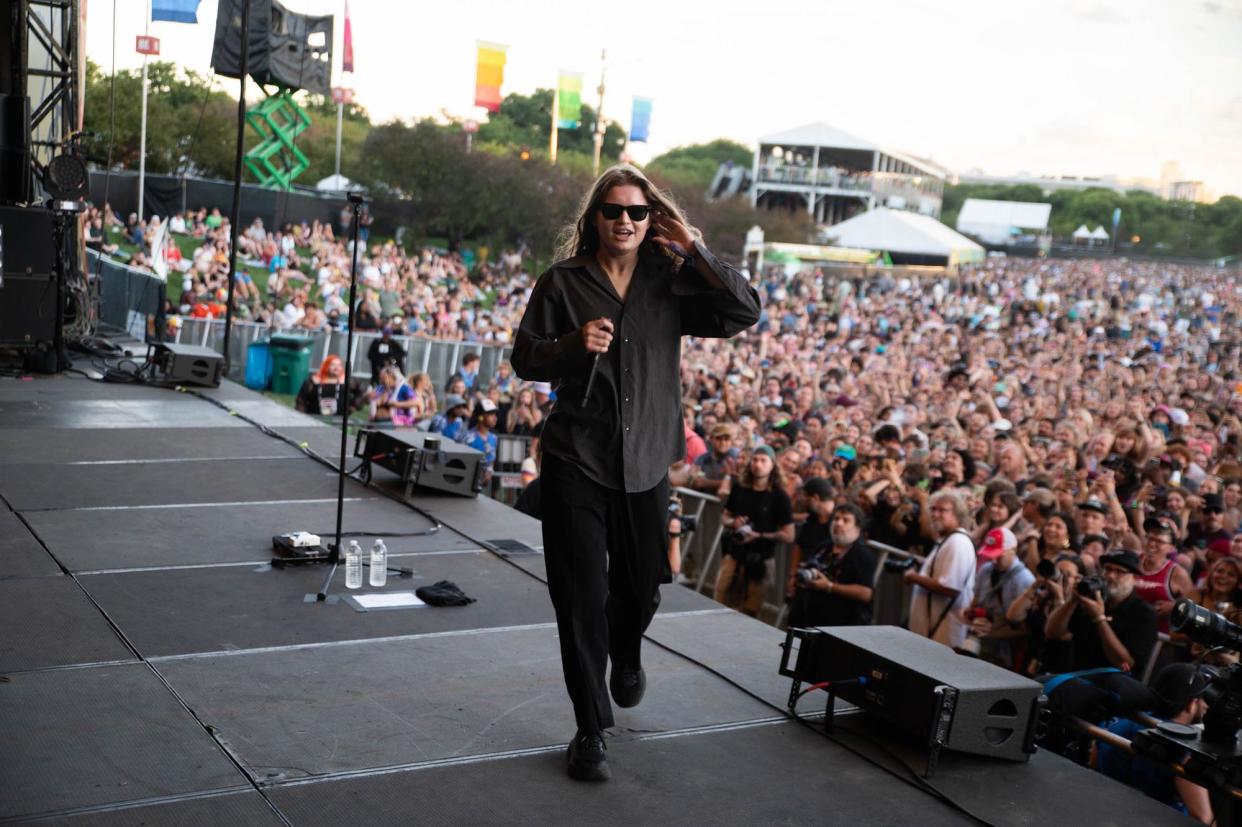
<point x="428" y="292"/>
<point x="1059" y="441"/>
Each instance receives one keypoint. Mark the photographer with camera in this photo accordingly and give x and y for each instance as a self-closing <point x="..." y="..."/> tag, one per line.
<point x="757" y="516"/>
<point x="679" y="524"/>
<point x="1054" y="580"/>
<point x="1109" y="623"/>
<point x="832" y="584"/>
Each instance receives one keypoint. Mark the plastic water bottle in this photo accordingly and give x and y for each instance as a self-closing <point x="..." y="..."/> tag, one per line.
<point x="379" y="563"/>
<point x="353" y="565"/>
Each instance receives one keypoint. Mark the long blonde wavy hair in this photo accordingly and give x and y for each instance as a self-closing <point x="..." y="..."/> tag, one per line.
<point x="582" y="237"/>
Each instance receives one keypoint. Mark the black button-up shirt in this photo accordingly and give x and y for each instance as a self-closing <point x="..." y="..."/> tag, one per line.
<point x="628" y="433"/>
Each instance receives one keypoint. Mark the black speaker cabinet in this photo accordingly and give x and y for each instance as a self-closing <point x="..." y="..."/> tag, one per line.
<point x="189" y="364"/>
<point x="922" y="687"/>
<point x="422" y="459"/>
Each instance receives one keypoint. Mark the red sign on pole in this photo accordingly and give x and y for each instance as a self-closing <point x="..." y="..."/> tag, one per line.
<point x="342" y="95"/>
<point x="470" y="126"/>
<point x="145" y="44"/>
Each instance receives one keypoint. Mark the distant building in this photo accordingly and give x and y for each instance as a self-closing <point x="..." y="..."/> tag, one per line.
<point x="1188" y="191"/>
<point x="834" y="175"/>
<point x="1049" y="184"/>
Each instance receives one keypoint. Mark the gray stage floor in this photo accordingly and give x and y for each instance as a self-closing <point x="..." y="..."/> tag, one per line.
<point x="155" y="668"/>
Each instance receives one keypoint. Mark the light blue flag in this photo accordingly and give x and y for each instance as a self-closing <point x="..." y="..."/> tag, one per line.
<point x="640" y="119"/>
<point x="175" y="11"/>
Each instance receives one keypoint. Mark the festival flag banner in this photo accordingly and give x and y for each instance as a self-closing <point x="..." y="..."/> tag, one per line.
<point x="175" y="11"/>
<point x="569" y="100"/>
<point x="640" y="119"/>
<point x="347" y="61"/>
<point x="489" y="76"/>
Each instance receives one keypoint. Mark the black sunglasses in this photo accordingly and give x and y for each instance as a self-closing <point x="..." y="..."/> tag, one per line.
<point x="637" y="212"/>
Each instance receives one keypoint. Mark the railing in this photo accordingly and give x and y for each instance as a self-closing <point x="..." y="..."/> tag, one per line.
<point x="440" y="359"/>
<point x="806" y="176"/>
<point x="890" y="595"/>
<point x="701" y="556"/>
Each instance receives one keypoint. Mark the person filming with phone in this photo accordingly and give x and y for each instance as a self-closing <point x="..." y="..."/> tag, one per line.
<point x="604" y="326"/>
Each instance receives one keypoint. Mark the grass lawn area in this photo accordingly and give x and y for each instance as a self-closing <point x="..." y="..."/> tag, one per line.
<point x="188" y="244"/>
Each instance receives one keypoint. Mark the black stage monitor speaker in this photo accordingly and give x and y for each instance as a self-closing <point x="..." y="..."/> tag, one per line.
<point x="422" y="459"/>
<point x="189" y="364"/>
<point x="27" y="277"/>
<point x="922" y="687"/>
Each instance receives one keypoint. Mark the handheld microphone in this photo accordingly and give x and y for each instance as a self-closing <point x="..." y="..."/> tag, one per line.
<point x="586" y="395"/>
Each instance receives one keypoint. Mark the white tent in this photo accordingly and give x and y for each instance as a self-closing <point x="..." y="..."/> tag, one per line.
<point x="1099" y="234"/>
<point x="995" y="222"/>
<point x="335" y="183"/>
<point x="1081" y="234"/>
<point x="905" y="233"/>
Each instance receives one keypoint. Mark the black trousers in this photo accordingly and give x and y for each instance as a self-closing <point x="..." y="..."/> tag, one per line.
<point x="606" y="553"/>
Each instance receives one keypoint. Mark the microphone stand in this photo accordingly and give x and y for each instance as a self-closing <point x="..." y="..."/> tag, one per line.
<point x="356" y="200"/>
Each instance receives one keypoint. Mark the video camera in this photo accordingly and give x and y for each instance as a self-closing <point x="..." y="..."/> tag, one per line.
<point x="1212" y="758"/>
<point x="1224" y="685"/>
<point x="806" y="570"/>
<point x="689" y="522"/>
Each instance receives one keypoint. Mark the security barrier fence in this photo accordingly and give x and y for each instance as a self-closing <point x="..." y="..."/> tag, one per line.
<point x="440" y="359"/>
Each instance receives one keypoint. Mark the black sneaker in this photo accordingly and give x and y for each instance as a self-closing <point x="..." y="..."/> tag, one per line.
<point x="627" y="685"/>
<point x="587" y="761"/>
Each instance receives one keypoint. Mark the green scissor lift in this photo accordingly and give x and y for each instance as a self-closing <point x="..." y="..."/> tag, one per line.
<point x="276" y="161"/>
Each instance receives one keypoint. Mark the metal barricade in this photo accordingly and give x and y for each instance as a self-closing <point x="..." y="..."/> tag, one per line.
<point x="701" y="563"/>
<point x="438" y="358"/>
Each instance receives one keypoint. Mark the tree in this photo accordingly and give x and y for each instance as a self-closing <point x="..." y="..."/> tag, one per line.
<point x="526" y="120"/>
<point x="190" y="122"/>
<point x="695" y="166"/>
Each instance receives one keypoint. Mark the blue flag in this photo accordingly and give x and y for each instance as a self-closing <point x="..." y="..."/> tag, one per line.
<point x="175" y="11"/>
<point x="640" y="119"/>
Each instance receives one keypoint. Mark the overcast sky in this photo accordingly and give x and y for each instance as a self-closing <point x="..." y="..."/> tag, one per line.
<point x="1087" y="87"/>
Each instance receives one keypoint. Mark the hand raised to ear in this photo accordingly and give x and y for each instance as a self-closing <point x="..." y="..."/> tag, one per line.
<point x="672" y="235"/>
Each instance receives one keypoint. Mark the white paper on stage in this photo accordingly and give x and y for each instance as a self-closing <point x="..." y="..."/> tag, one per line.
<point x="388" y="600"/>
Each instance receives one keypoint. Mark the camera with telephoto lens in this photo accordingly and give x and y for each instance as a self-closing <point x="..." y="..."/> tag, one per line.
<point x="1093" y="586"/>
<point x="1224" y="690"/>
<point x="806" y="571"/>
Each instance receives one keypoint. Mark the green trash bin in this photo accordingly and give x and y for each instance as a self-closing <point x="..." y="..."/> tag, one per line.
<point x="290" y="362"/>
